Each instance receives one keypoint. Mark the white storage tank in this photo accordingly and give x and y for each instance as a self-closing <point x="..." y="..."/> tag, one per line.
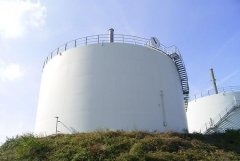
<point x="116" y="83"/>
<point x="215" y="111"/>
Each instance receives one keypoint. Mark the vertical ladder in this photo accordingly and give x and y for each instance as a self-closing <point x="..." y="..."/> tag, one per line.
<point x="177" y="59"/>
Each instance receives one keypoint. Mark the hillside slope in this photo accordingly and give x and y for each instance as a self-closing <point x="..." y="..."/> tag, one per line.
<point x="120" y="145"/>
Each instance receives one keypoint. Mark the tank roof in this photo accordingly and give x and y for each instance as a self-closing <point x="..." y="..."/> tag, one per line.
<point x="105" y="38"/>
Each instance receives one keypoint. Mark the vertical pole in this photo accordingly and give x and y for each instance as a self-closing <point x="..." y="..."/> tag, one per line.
<point x="111" y="35"/>
<point x="57" y="124"/>
<point x="213" y="81"/>
<point x="65" y="46"/>
<point x="235" y="101"/>
<point x="211" y="122"/>
<point x="163" y="108"/>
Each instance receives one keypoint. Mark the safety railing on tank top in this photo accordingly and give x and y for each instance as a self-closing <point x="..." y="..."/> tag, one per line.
<point x="219" y="118"/>
<point x="105" y="38"/>
<point x="212" y="92"/>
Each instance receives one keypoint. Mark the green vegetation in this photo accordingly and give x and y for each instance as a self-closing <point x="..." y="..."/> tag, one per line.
<point x="120" y="145"/>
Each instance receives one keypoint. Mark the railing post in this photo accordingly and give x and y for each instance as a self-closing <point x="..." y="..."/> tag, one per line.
<point x="86" y="41"/>
<point x="75" y="43"/>
<point x="111" y="35"/>
<point x="234" y="101"/>
<point x="65" y="46"/>
<point x="98" y="39"/>
<point x="57" y="50"/>
<point x="211" y="122"/>
<point x="57" y="124"/>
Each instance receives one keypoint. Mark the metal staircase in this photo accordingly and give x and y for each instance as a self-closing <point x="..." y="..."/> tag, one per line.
<point x="230" y="120"/>
<point x="183" y="76"/>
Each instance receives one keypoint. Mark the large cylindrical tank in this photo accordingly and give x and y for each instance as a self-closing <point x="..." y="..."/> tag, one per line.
<point x="214" y="112"/>
<point x="114" y="86"/>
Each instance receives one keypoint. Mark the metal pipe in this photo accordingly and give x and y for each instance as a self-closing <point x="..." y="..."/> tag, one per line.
<point x="111" y="35"/>
<point x="57" y="124"/>
<point x="163" y="109"/>
<point x="213" y="81"/>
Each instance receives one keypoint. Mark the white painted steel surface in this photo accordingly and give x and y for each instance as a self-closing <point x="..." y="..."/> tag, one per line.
<point x="110" y="86"/>
<point x="201" y="110"/>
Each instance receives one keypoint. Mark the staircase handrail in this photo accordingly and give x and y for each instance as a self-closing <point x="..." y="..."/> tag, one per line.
<point x="215" y="121"/>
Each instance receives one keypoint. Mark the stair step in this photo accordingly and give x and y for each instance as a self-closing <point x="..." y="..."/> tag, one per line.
<point x="183" y="76"/>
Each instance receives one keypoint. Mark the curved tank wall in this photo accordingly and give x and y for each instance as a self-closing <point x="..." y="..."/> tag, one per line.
<point x="208" y="110"/>
<point x="110" y="86"/>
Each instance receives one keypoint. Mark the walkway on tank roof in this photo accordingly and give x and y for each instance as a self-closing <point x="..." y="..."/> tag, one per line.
<point x="117" y="38"/>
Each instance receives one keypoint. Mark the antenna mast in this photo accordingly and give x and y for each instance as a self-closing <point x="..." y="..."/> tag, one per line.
<point x="213" y="81"/>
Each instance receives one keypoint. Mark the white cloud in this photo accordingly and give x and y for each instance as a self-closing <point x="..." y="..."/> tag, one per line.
<point x="17" y="16"/>
<point x="10" y="72"/>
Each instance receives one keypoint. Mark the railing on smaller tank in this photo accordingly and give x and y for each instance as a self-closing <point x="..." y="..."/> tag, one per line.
<point x="105" y="38"/>
<point x="212" y="92"/>
<point x="209" y="126"/>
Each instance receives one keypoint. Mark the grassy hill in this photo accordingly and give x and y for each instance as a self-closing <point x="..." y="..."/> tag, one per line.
<point x="120" y="145"/>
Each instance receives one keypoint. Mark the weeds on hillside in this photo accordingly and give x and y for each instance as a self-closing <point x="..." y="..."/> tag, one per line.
<point x="122" y="145"/>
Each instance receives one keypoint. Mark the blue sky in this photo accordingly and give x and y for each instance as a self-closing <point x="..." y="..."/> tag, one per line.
<point x="206" y="32"/>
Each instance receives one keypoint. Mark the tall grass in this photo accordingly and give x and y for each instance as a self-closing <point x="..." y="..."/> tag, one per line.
<point x="123" y="145"/>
